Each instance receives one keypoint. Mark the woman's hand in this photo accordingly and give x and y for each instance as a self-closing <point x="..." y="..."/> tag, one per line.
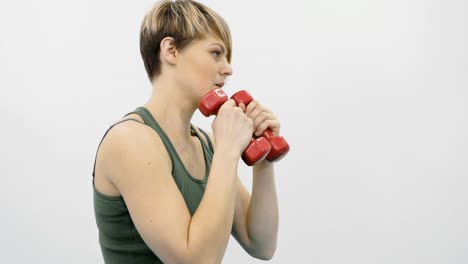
<point x="262" y="118"/>
<point x="232" y="128"/>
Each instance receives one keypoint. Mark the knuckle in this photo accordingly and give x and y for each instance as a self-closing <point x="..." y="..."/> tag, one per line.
<point x="256" y="113"/>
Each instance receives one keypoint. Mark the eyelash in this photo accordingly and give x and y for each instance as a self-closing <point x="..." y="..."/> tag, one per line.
<point x="217" y="52"/>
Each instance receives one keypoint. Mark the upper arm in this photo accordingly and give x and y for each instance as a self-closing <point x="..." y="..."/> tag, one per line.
<point x="141" y="171"/>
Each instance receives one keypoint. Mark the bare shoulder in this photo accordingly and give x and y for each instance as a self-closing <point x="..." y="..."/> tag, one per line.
<point x="140" y="169"/>
<point x="125" y="146"/>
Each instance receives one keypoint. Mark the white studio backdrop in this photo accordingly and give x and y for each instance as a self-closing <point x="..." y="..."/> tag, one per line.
<point x="372" y="96"/>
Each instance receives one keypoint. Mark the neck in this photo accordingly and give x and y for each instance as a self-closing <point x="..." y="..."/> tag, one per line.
<point x="172" y="109"/>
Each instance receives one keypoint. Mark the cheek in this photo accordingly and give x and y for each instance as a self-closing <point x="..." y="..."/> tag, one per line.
<point x="198" y="72"/>
<point x="202" y="70"/>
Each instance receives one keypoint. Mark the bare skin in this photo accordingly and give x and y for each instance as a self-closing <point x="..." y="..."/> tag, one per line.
<point x="131" y="149"/>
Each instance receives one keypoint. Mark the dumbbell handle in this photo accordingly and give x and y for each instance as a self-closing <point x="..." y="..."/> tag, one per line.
<point x="257" y="149"/>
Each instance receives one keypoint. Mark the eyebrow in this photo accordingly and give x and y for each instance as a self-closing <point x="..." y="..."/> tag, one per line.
<point x="221" y="46"/>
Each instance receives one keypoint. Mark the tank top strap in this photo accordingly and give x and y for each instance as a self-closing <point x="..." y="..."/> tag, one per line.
<point x="150" y="121"/>
<point x="105" y="134"/>
<point x="208" y="148"/>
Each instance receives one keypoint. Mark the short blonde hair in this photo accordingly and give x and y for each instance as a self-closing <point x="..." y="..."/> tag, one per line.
<point x="184" y="21"/>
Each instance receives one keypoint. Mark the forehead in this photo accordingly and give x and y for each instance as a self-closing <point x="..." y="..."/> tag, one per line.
<point x="211" y="41"/>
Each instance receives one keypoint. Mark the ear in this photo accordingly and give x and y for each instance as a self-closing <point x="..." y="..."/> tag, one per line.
<point x="168" y="50"/>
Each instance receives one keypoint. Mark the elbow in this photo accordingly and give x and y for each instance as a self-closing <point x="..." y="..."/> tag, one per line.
<point x="198" y="260"/>
<point x="202" y="259"/>
<point x="264" y="254"/>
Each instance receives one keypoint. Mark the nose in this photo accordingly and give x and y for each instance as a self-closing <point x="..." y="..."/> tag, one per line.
<point x="226" y="70"/>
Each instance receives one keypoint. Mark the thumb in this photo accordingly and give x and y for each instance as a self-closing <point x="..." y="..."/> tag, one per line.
<point x="242" y="106"/>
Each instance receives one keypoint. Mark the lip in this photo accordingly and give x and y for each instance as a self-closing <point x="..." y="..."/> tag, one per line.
<point x="220" y="85"/>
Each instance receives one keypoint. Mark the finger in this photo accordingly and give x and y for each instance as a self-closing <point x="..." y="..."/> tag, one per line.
<point x="229" y="103"/>
<point x="242" y="106"/>
<point x="261" y="118"/>
<point x="255" y="113"/>
<point x="255" y="106"/>
<point x="252" y="105"/>
<point x="260" y="111"/>
<point x="273" y="125"/>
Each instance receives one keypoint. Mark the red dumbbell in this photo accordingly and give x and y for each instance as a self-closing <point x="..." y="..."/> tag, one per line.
<point x="257" y="149"/>
<point x="279" y="146"/>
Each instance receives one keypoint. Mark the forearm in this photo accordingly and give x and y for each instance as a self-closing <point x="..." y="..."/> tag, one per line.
<point x="262" y="222"/>
<point x="211" y="225"/>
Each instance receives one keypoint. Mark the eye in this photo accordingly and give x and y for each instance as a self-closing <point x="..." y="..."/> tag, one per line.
<point x="216" y="53"/>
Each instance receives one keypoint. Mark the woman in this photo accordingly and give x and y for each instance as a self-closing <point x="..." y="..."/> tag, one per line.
<point x="164" y="190"/>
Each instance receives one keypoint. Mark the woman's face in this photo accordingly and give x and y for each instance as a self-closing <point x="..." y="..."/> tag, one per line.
<point x="202" y="66"/>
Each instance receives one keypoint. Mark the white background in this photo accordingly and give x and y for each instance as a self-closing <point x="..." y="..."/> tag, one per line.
<point x="372" y="95"/>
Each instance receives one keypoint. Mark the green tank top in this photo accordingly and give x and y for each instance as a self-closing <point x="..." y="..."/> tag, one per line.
<point x="119" y="240"/>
